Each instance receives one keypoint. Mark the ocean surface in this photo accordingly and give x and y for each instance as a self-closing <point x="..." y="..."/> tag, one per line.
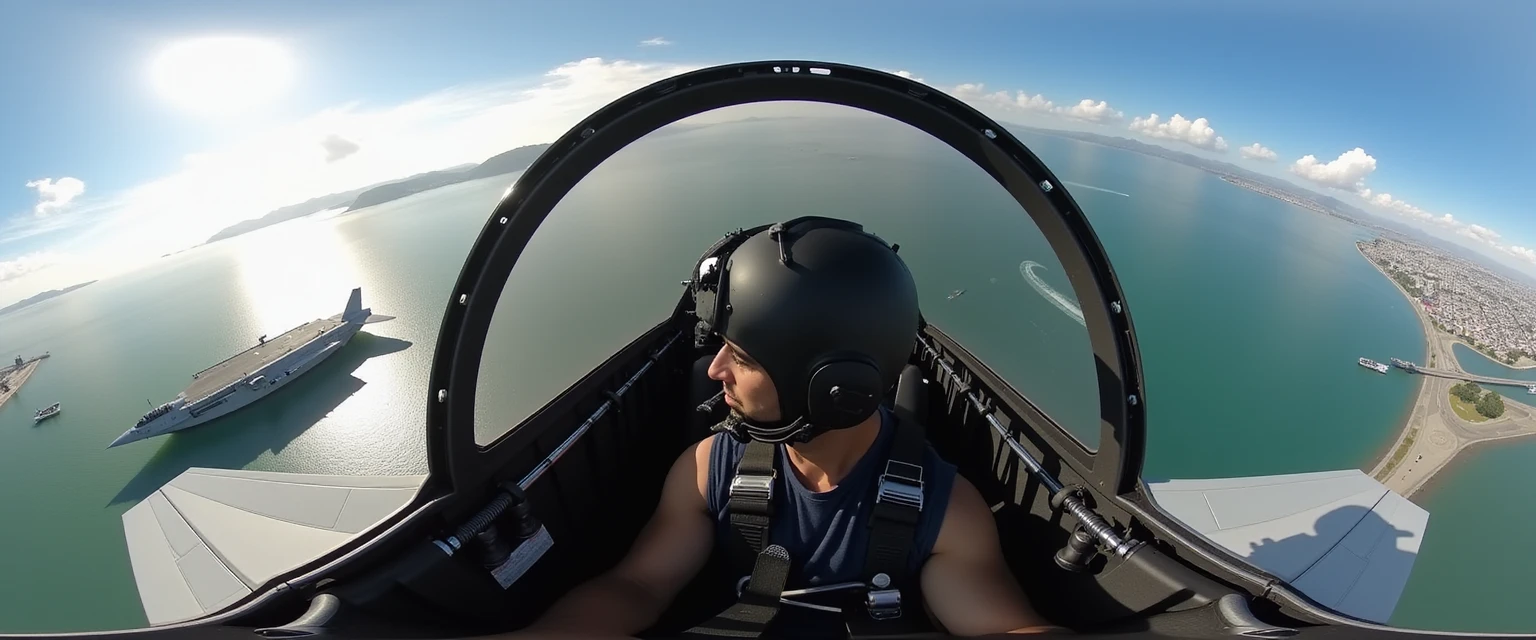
<point x="1250" y="314"/>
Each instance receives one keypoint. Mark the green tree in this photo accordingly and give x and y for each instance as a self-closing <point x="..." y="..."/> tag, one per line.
<point x="1467" y="391"/>
<point x="1491" y="405"/>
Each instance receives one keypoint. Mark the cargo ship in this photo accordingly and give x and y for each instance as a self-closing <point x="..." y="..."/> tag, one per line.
<point x="47" y="412"/>
<point x="1374" y="365"/>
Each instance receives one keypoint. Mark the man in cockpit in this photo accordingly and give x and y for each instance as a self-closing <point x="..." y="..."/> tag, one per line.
<point x="817" y="319"/>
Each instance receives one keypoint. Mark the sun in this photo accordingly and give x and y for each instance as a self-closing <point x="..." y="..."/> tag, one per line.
<point x="223" y="74"/>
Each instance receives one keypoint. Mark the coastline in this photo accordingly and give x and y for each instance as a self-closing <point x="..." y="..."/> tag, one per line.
<point x="18" y="378"/>
<point x="1432" y="434"/>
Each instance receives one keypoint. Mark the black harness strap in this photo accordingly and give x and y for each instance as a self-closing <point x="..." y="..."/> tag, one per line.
<point x="750" y="507"/>
<point x="751" y="499"/>
<point x="759" y="602"/>
<point x="892" y="533"/>
<point x="898" y="502"/>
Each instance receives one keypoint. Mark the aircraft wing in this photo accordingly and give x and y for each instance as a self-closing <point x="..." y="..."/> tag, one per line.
<point x="1340" y="537"/>
<point x="210" y="536"/>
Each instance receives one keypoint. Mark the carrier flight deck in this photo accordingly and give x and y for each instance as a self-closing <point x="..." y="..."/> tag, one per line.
<point x="254" y="373"/>
<point x="215" y="378"/>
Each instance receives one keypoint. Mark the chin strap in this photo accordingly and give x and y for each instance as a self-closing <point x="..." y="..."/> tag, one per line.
<point x="777" y="432"/>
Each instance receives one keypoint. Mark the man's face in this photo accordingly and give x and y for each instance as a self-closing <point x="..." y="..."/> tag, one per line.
<point x="748" y="389"/>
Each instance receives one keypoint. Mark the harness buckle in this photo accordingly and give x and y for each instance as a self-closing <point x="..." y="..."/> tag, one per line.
<point x="883" y="604"/>
<point x="753" y="487"/>
<point x="901" y="485"/>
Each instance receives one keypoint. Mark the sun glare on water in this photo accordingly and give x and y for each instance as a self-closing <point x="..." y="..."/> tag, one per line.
<point x="222" y="75"/>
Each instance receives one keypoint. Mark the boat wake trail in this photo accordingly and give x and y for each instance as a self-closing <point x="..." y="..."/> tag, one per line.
<point x="1089" y="186"/>
<point x="1067" y="306"/>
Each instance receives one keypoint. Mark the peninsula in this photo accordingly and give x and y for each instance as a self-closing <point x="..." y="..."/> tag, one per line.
<point x="1434" y="433"/>
<point x="46" y="295"/>
<point x="502" y="163"/>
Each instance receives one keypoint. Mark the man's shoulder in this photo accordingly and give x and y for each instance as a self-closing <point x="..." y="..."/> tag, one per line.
<point x="698" y="455"/>
<point x="965" y="511"/>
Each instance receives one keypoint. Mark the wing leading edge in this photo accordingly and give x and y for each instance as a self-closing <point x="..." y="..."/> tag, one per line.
<point x="1340" y="537"/>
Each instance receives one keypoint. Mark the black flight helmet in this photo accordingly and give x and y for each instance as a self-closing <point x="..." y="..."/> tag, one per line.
<point x="828" y="310"/>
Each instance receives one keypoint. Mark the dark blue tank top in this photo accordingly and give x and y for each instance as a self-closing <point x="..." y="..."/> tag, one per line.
<point x="826" y="533"/>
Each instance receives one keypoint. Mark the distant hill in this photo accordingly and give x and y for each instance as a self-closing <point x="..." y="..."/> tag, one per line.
<point x="316" y="205"/>
<point x="400" y="189"/>
<point x="46" y="295"/>
<point x="508" y="162"/>
<point x="313" y="205"/>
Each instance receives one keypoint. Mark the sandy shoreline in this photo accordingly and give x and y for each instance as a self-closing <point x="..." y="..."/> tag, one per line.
<point x="16" y="379"/>
<point x="1437" y="434"/>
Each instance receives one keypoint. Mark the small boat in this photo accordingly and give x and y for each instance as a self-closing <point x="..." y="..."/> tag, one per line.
<point x="1372" y="364"/>
<point x="1531" y="389"/>
<point x="47" y="412"/>
<point x="956" y="293"/>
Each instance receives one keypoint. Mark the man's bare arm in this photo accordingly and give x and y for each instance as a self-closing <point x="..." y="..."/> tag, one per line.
<point x="670" y="550"/>
<point x="966" y="581"/>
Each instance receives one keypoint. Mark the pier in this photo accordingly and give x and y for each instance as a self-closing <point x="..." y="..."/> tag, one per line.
<point x="13" y="376"/>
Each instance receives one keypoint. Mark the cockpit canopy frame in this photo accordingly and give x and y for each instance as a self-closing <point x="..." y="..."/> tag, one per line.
<point x="453" y="453"/>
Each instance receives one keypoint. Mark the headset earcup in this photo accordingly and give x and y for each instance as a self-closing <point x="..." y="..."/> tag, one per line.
<point x="842" y="393"/>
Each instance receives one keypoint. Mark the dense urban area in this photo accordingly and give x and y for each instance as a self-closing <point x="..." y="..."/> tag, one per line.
<point x="1494" y="314"/>
<point x="1290" y="196"/>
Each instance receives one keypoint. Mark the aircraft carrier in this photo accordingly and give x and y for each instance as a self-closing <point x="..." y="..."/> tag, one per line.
<point x="254" y="373"/>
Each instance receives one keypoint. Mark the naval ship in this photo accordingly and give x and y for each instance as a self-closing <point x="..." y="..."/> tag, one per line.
<point x="254" y="373"/>
<point x="1373" y="365"/>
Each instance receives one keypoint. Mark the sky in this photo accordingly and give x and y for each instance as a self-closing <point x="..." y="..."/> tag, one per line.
<point x="124" y="140"/>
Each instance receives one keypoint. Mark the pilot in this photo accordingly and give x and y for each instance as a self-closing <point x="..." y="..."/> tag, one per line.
<point x="816" y="320"/>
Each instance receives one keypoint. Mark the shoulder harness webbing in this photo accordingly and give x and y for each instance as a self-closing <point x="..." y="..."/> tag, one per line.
<point x="892" y="532"/>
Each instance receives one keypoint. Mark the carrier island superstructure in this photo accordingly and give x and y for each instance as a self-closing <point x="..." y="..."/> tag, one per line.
<point x="254" y="373"/>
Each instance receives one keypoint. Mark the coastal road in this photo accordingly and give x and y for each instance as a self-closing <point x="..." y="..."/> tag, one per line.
<point x="1438" y="433"/>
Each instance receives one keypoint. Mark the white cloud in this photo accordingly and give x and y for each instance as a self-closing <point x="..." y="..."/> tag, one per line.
<point x="23" y="265"/>
<point x="1521" y="252"/>
<point x="1023" y="103"/>
<point x="1197" y="132"/>
<point x="1346" y="172"/>
<point x="1257" y="151"/>
<point x="655" y="42"/>
<point x="54" y="195"/>
<point x="337" y="147"/>
<point x="1087" y="109"/>
<point x="976" y="93"/>
<point x="1479" y="232"/>
<point x="906" y="74"/>
<point x="1386" y="201"/>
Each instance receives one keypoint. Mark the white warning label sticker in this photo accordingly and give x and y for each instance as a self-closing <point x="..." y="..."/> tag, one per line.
<point x="523" y="558"/>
